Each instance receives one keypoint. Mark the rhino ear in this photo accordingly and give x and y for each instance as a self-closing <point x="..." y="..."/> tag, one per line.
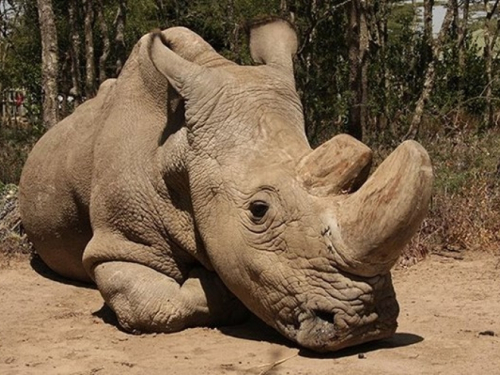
<point x="273" y="41"/>
<point x="178" y="71"/>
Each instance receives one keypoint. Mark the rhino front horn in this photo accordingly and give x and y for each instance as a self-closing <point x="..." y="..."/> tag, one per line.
<point x="376" y="222"/>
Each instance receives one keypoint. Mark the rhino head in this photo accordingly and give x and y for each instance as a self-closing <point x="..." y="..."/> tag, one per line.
<point x="302" y="237"/>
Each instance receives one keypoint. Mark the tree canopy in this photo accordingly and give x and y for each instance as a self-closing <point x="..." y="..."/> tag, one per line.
<point x="366" y="67"/>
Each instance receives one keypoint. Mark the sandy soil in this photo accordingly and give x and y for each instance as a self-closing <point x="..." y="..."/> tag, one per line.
<point x="449" y="324"/>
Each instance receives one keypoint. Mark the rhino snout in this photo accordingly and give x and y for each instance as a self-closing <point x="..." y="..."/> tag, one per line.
<point x="332" y="324"/>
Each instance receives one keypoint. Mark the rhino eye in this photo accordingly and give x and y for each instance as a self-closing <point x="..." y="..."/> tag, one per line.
<point x="258" y="209"/>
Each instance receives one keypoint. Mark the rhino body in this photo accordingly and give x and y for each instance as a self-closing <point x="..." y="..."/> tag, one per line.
<point x="187" y="191"/>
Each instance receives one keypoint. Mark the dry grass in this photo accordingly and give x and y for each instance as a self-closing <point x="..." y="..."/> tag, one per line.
<point x="13" y="242"/>
<point x="465" y="208"/>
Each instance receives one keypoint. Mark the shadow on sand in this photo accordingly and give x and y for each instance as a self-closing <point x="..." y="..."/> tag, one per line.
<point x="43" y="270"/>
<point x="256" y="330"/>
<point x="108" y="316"/>
<point x="400" y="339"/>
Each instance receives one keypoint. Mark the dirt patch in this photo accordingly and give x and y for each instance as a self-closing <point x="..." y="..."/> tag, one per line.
<point x="449" y="324"/>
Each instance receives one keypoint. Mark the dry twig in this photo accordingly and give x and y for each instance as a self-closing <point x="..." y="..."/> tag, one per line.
<point x="270" y="366"/>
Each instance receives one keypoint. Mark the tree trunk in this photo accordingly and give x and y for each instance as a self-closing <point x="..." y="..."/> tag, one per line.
<point x="89" y="49"/>
<point x="364" y="44"/>
<point x="428" y="37"/>
<point x="119" y="24"/>
<point x="430" y="74"/>
<point x="415" y="25"/>
<point x="106" y="45"/>
<point x="357" y="40"/>
<point x="455" y="23"/>
<point x="378" y="27"/>
<point x="75" y="51"/>
<point x="49" y="61"/>
<point x="306" y="54"/>
<point x="489" y="43"/>
<point x="462" y="36"/>
<point x="233" y="30"/>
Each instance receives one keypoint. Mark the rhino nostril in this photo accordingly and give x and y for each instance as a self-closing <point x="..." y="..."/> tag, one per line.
<point x="324" y="315"/>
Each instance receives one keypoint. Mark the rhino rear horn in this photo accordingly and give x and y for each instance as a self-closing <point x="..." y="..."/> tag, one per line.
<point x="340" y="165"/>
<point x="273" y="41"/>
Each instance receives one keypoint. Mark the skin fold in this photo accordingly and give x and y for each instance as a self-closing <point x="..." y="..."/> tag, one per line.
<point x="187" y="191"/>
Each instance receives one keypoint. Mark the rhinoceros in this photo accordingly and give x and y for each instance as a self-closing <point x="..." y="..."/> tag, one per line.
<point x="187" y="191"/>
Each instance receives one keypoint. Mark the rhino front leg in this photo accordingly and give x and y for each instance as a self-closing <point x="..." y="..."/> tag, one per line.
<point x="145" y="300"/>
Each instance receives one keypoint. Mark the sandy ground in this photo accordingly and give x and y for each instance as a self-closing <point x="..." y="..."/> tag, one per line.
<point x="449" y="324"/>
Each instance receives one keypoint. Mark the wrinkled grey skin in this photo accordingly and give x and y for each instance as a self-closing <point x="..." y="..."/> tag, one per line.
<point x="187" y="191"/>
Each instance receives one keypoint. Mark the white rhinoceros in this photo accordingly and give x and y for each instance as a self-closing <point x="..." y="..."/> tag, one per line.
<point x="187" y="191"/>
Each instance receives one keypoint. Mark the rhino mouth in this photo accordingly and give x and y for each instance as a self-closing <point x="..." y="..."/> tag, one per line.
<point x="334" y="325"/>
<point x="324" y="331"/>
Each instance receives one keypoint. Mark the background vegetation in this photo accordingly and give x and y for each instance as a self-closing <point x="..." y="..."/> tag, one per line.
<point x="381" y="70"/>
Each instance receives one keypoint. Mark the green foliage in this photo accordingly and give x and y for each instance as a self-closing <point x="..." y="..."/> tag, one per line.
<point x="396" y="71"/>
<point x="395" y="76"/>
<point x="322" y="72"/>
<point x="455" y="88"/>
<point x="22" y="63"/>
